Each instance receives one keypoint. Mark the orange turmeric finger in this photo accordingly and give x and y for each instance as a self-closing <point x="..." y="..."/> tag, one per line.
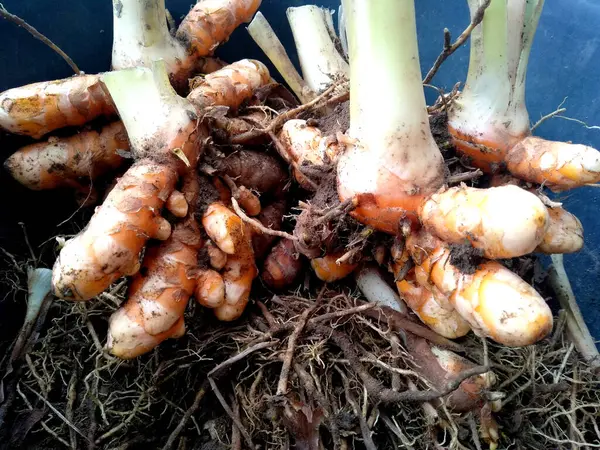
<point x="223" y="227"/>
<point x="232" y="236"/>
<point x="425" y="304"/>
<point x="216" y="256"/>
<point x="229" y="86"/>
<point x="210" y="289"/>
<point x="177" y="204"/>
<point x="39" y="108"/>
<point x="211" y="22"/>
<point x="282" y="266"/>
<point x="557" y="165"/>
<point x="493" y="300"/>
<point x="564" y="234"/>
<point x="138" y="340"/>
<point x="327" y="268"/>
<point x="504" y="221"/>
<point x="110" y="245"/>
<point x="238" y="274"/>
<point x="62" y="162"/>
<point x="159" y="293"/>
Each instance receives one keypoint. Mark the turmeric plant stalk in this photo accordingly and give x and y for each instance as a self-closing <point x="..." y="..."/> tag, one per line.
<point x="489" y="120"/>
<point x="392" y="167"/>
<point x="141" y="35"/>
<point x="312" y="28"/>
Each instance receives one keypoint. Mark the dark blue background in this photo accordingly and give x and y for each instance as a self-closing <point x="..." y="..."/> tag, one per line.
<point x="565" y="63"/>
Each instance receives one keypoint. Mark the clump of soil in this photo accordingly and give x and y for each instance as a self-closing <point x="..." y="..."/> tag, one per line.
<point x="338" y="120"/>
<point x="465" y="257"/>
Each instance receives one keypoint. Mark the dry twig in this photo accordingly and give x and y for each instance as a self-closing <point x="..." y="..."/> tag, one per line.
<point x="449" y="47"/>
<point x="36" y="34"/>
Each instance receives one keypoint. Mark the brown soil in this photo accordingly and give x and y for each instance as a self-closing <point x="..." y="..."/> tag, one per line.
<point x="465" y="257"/>
<point x="336" y="121"/>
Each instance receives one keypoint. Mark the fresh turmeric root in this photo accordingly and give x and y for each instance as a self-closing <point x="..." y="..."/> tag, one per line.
<point x="271" y="217"/>
<point x="564" y="233"/>
<point x="159" y="293"/>
<point x="229" y="86"/>
<point x="480" y="216"/>
<point x="63" y="162"/>
<point x="233" y="237"/>
<point x="210" y="288"/>
<point x="109" y="247"/>
<point x="305" y="144"/>
<point x="255" y="170"/>
<point x="211" y="22"/>
<point x="164" y="134"/>
<point x="39" y="108"/>
<point x="164" y="138"/>
<point x="429" y="305"/>
<point x="493" y="300"/>
<point x="329" y="270"/>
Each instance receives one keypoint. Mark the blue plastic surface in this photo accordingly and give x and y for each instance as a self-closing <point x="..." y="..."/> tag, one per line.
<point x="565" y="63"/>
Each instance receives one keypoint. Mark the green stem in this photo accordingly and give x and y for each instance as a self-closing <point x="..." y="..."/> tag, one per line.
<point x="321" y="62"/>
<point x="387" y="97"/>
<point x="148" y="105"/>
<point x="141" y="34"/>
<point x="500" y="48"/>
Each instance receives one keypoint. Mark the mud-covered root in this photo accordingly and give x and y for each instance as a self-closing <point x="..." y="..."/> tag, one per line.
<point x="305" y="145"/>
<point x="282" y="266"/>
<point x="39" y="108"/>
<point x="270" y="217"/>
<point x="254" y="170"/>
<point x="558" y="165"/>
<point x="233" y="237"/>
<point x="229" y="86"/>
<point x="473" y="387"/>
<point x="425" y="302"/>
<point x="211" y="22"/>
<point x="111" y="244"/>
<point x="226" y="128"/>
<point x="71" y="161"/>
<point x="564" y="233"/>
<point x="247" y="200"/>
<point x="481" y="217"/>
<point x="329" y="268"/>
<point x="493" y="300"/>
